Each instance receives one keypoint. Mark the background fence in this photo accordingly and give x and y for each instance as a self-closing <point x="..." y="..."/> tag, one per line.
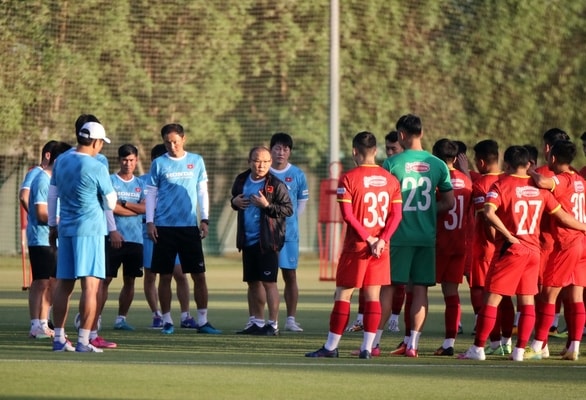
<point x="234" y="72"/>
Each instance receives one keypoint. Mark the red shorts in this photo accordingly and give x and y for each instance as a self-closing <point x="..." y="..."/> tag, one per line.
<point x="561" y="267"/>
<point x="358" y="269"/>
<point x="514" y="272"/>
<point x="478" y="270"/>
<point x="544" y="259"/>
<point x="580" y="270"/>
<point x="449" y="267"/>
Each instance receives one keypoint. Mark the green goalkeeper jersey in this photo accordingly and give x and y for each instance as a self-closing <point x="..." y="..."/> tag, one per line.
<point x="420" y="174"/>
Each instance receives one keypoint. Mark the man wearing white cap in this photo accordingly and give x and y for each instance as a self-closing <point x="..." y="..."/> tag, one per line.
<point x="79" y="181"/>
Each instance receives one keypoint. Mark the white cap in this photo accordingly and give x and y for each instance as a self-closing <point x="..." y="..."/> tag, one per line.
<point x="93" y="130"/>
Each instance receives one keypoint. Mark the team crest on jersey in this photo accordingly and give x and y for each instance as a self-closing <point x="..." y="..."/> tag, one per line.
<point x="458" y="183"/>
<point x="288" y="179"/>
<point x="137" y="189"/>
<point x="189" y="166"/>
<point x="527" y="191"/>
<point x="374" y="181"/>
<point x="578" y="186"/>
<point x="492" y="195"/>
<point x="417" y="166"/>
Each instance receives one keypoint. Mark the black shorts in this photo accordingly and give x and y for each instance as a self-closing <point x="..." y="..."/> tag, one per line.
<point x="184" y="241"/>
<point x="43" y="261"/>
<point x="129" y="256"/>
<point x="259" y="265"/>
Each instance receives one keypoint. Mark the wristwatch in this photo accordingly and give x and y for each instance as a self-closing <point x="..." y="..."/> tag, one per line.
<point x="123" y="203"/>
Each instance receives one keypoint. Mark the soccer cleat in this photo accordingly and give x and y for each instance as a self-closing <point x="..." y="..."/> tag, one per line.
<point x="269" y="330"/>
<point x="444" y="352"/>
<point x="473" y="354"/>
<point x="322" y="352"/>
<point x="375" y="352"/>
<point x="89" y="348"/>
<point x="400" y="350"/>
<point x="293" y="326"/>
<point x="499" y="351"/>
<point x="393" y="326"/>
<point x="189" y="323"/>
<point x="517" y="354"/>
<point x="507" y="349"/>
<point x="411" y="353"/>
<point x="531" y="354"/>
<point x="365" y="354"/>
<point x="40" y="333"/>
<point x="545" y="351"/>
<point x="123" y="326"/>
<point x="60" y="347"/>
<point x="208" y="329"/>
<point x="168" y="329"/>
<point x="355" y="327"/>
<point x="561" y="334"/>
<point x="570" y="356"/>
<point x="102" y="343"/>
<point x="157" y="323"/>
<point x="460" y="329"/>
<point x="251" y="329"/>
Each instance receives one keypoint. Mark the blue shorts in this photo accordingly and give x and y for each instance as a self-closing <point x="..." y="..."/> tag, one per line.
<point x="147" y="252"/>
<point x="81" y="256"/>
<point x="289" y="255"/>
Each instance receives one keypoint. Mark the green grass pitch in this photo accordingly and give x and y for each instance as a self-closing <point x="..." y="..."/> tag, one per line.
<point x="148" y="365"/>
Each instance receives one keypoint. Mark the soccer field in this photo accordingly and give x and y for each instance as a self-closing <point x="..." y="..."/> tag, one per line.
<point x="148" y="365"/>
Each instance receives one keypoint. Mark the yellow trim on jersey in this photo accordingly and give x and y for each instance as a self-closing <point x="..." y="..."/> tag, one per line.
<point x="555" y="209"/>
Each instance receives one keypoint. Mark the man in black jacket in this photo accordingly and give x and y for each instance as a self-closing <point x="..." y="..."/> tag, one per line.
<point x="263" y="203"/>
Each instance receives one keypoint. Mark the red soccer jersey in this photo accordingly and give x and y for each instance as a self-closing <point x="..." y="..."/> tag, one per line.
<point x="371" y="190"/>
<point x="483" y="246"/>
<point x="546" y="236"/>
<point x="569" y="191"/>
<point x="520" y="204"/>
<point x="453" y="225"/>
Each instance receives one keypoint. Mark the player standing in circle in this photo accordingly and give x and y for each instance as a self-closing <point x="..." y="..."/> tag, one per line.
<point x="84" y="189"/>
<point x="293" y="177"/>
<point x="370" y="204"/>
<point x="178" y="187"/>
<point x="413" y="246"/>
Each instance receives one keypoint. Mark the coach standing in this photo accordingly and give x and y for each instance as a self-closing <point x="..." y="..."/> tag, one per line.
<point x="84" y="189"/>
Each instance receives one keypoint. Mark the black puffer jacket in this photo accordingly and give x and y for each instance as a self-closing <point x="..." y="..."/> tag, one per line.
<point x="272" y="218"/>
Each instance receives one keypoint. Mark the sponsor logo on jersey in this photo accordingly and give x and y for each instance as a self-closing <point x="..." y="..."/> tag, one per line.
<point x="132" y="195"/>
<point x="458" y="183"/>
<point x="340" y="191"/>
<point x="374" y="181"/>
<point x="527" y="191"/>
<point x="417" y="166"/>
<point x="479" y="200"/>
<point x="491" y="195"/>
<point x="180" y="174"/>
